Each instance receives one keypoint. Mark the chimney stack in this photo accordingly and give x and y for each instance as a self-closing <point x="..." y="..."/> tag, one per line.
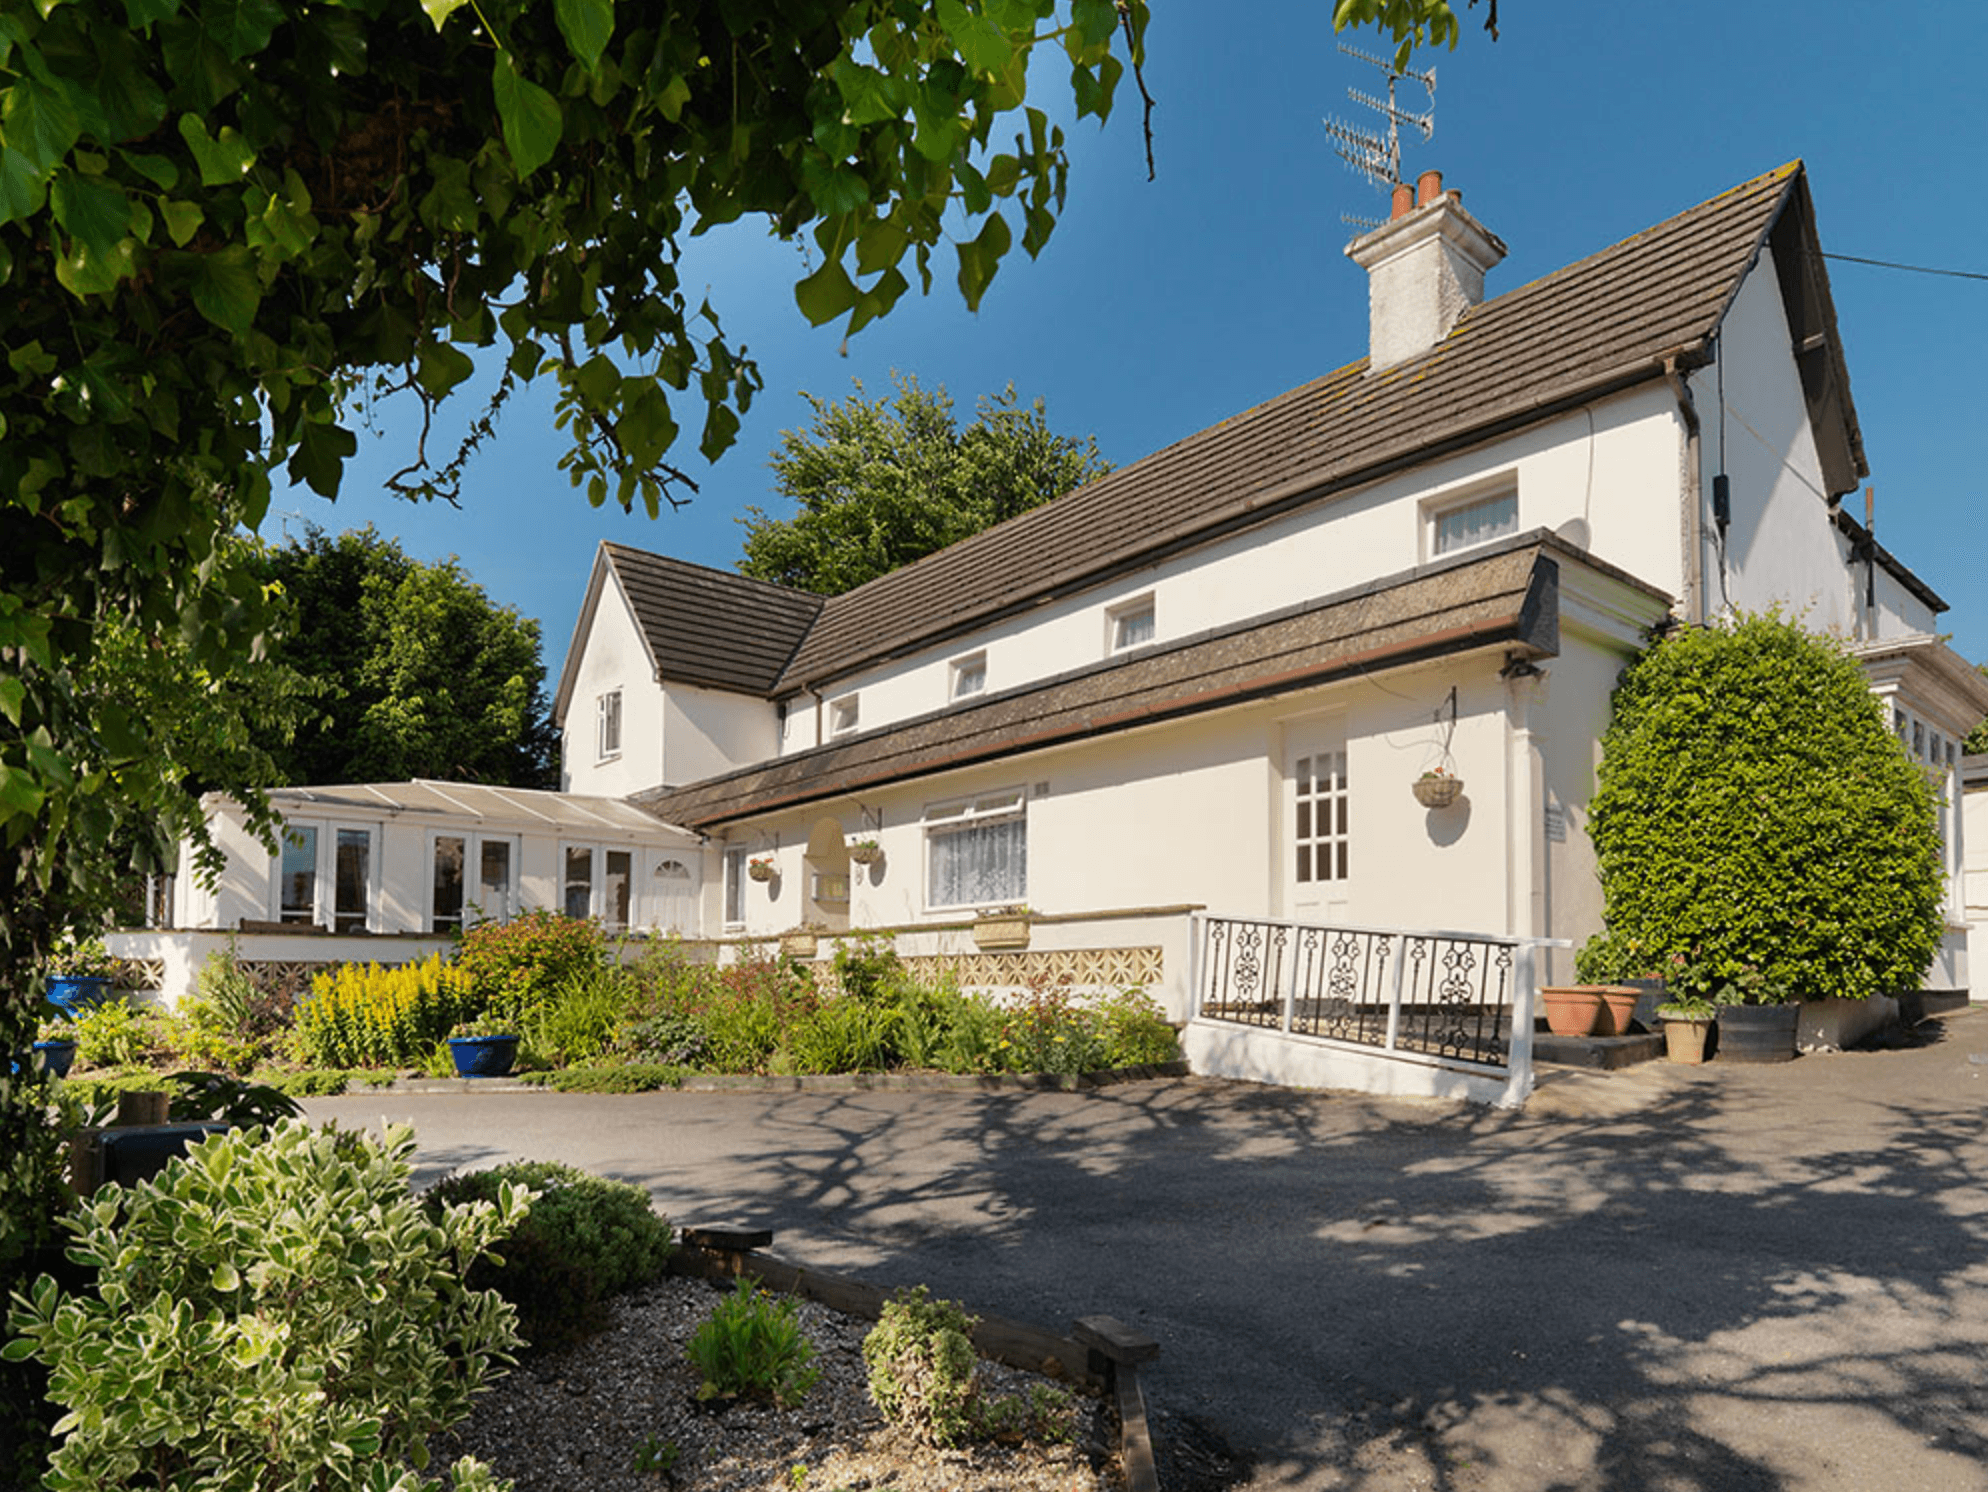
<point x="1425" y="267"/>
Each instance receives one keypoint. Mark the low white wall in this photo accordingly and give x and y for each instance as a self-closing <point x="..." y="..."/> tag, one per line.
<point x="1248" y="1054"/>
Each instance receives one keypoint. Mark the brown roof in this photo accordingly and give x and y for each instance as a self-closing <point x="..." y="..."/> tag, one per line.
<point x="702" y="626"/>
<point x="1503" y="595"/>
<point x="1603" y="324"/>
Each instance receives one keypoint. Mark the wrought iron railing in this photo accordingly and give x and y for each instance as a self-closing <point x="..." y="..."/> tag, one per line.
<point x="1441" y="995"/>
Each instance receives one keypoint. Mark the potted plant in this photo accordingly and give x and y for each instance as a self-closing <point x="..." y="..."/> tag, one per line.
<point x="1757" y="1018"/>
<point x="762" y="868"/>
<point x="77" y="976"/>
<point x="865" y="851"/>
<point x="1437" y="788"/>
<point x="483" y="1048"/>
<point x="1687" y="1026"/>
<point x="55" y="1044"/>
<point x="1000" y="928"/>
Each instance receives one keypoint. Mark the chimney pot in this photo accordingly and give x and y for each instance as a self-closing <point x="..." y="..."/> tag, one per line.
<point x="1404" y="201"/>
<point x="1428" y="187"/>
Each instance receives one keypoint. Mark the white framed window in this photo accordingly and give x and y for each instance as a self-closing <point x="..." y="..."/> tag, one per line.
<point x="471" y="878"/>
<point x="1131" y="624"/>
<point x="969" y="676"/>
<point x="1475" y="520"/>
<point x="608" y="735"/>
<point x="843" y="714"/>
<point x="1320" y="830"/>
<point x="735" y="878"/>
<point x="323" y="877"/>
<point x="976" y="851"/>
<point x="598" y="881"/>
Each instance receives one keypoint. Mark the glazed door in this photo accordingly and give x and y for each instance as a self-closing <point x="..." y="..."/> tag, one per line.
<point x="1316" y="835"/>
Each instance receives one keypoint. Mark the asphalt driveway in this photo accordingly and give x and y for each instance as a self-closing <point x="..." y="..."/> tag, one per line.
<point x="1670" y="1278"/>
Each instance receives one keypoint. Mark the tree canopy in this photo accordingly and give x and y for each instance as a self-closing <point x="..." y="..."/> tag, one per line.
<point x="223" y="220"/>
<point x="420" y="674"/>
<point x="1411" y="23"/>
<point x="882" y="482"/>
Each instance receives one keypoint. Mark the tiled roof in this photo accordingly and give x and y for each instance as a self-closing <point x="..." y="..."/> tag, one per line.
<point x="1506" y="595"/>
<point x="1602" y="324"/>
<point x="712" y="627"/>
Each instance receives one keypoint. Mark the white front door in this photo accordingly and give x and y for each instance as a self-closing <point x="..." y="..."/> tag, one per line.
<point x="1318" y="857"/>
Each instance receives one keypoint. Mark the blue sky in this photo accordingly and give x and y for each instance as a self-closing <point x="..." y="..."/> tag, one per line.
<point x="1160" y="308"/>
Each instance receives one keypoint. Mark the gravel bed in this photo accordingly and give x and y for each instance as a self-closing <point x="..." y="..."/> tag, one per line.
<point x="580" y="1418"/>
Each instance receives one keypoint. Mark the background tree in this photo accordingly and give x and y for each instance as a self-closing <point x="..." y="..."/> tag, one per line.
<point x="221" y="220"/>
<point x="1977" y="739"/>
<point x="420" y="673"/>
<point x="1753" y="810"/>
<point x="880" y="483"/>
<point x="1411" y="23"/>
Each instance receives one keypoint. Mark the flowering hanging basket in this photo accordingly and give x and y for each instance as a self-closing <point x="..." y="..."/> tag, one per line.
<point x="760" y="870"/>
<point x="865" y="852"/>
<point x="1437" y="789"/>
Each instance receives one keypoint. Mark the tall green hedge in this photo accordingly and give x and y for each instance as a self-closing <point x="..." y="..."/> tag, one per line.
<point x="1755" y="809"/>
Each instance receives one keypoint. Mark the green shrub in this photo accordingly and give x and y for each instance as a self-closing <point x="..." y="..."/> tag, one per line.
<point x="272" y="1311"/>
<point x="577" y="1021"/>
<point x="1133" y="1031"/>
<point x="304" y="1082"/>
<point x="923" y="1367"/>
<point x="587" y="1240"/>
<point x="1755" y="815"/>
<point x="512" y="968"/>
<point x="119" y="1034"/>
<point x="226" y="1002"/>
<point x="751" y="1346"/>
<point x="663" y="1041"/>
<point x="367" y="1016"/>
<point x="845" y="1034"/>
<point x="629" y="1077"/>
<point x="1048" y="1031"/>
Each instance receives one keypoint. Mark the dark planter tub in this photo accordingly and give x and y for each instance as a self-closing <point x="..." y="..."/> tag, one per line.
<point x="1758" y="1033"/>
<point x="77" y="993"/>
<point x="483" y="1056"/>
<point x="54" y="1057"/>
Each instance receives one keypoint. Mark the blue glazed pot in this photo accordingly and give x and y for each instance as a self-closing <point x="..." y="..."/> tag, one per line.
<point x="75" y="994"/>
<point x="54" y="1057"/>
<point x="483" y="1056"/>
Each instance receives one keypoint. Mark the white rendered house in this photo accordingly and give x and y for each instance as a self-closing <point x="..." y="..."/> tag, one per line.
<point x="1210" y="679"/>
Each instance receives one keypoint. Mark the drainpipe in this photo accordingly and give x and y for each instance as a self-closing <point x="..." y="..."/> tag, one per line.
<point x="1691" y="535"/>
<point x="819" y="707"/>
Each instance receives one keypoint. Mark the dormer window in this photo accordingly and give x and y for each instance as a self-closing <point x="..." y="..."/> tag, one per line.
<point x="1478" y="520"/>
<point x="969" y="676"/>
<point x="1132" y="624"/>
<point x="608" y="721"/>
<point x="843" y="715"/>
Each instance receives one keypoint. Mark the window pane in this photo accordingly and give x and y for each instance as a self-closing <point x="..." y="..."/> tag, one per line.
<point x="1131" y="628"/>
<point x="579" y="882"/>
<point x="354" y="875"/>
<point x="493" y="896"/>
<point x="297" y="883"/>
<point x="1476" y="523"/>
<point x="978" y="863"/>
<point x="619" y="875"/>
<point x="735" y="886"/>
<point x="448" y="884"/>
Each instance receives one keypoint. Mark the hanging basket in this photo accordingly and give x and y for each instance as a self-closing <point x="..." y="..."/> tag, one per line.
<point x="760" y="870"/>
<point x="1437" y="792"/>
<point x="862" y="853"/>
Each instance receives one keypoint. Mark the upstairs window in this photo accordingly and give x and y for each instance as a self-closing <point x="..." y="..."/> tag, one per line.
<point x="1131" y="625"/>
<point x="969" y="676"/>
<point x="609" y="734"/>
<point x="1465" y="524"/>
<point x="843" y="714"/>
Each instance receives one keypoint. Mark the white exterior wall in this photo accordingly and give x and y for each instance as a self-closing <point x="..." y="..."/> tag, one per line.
<point x="1607" y="477"/>
<point x="706" y="732"/>
<point x="1974" y="809"/>
<point x="615" y="656"/>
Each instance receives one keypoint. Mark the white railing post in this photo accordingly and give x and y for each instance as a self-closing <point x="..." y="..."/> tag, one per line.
<point x="1518" y="1079"/>
<point x="1196" y="933"/>
<point x="1397" y="972"/>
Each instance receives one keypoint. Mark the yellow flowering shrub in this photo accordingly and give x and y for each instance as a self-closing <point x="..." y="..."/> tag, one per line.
<point x="363" y="1015"/>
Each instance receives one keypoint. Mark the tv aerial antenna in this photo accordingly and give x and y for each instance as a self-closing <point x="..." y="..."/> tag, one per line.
<point x="1372" y="154"/>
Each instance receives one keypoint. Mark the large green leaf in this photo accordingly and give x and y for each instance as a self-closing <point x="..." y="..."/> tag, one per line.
<point x="983" y="45"/>
<point x="38" y="120"/>
<point x="227" y="289"/>
<point x="223" y="160"/>
<point x="586" y="25"/>
<point x="241" y="28"/>
<point x="531" y="116"/>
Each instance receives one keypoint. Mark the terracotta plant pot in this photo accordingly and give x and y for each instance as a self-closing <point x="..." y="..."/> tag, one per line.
<point x="1684" y="1041"/>
<point x="1572" y="1009"/>
<point x="1618" y="1003"/>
